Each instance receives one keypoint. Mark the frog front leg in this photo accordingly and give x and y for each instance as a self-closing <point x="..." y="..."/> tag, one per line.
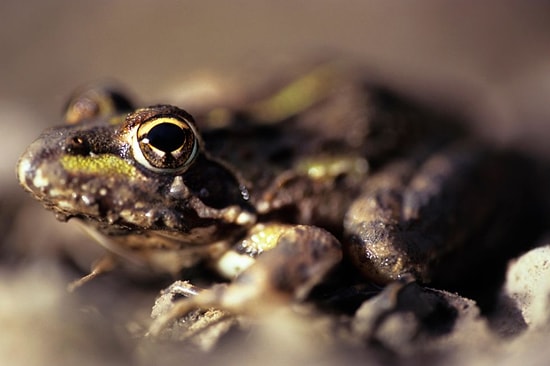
<point x="287" y="261"/>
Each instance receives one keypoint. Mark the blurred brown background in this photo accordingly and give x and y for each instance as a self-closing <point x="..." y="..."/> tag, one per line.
<point x="488" y="61"/>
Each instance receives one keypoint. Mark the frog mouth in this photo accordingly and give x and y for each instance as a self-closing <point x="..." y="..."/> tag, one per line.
<point x="99" y="198"/>
<point x="49" y="183"/>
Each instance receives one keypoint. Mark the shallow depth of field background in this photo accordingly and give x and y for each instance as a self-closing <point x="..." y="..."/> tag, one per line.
<point x="489" y="62"/>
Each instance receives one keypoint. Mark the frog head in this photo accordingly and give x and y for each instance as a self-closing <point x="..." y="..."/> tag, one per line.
<point x="127" y="171"/>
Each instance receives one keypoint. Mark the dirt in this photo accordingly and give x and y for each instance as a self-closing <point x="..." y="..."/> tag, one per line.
<point x="487" y="62"/>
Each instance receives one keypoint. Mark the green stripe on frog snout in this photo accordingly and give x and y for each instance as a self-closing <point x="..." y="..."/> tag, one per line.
<point x="99" y="164"/>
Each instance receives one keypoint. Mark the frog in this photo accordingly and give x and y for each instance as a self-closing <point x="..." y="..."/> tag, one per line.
<point x="273" y="194"/>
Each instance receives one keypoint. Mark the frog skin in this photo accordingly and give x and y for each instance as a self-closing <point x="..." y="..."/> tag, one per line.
<point x="267" y="194"/>
<point x="168" y="218"/>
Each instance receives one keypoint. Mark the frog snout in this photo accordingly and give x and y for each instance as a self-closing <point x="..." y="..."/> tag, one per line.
<point x="30" y="172"/>
<point x="25" y="169"/>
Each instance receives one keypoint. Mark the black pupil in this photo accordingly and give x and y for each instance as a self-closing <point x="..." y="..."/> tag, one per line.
<point x="166" y="137"/>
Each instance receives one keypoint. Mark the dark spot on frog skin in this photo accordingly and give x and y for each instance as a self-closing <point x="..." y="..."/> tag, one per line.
<point x="214" y="185"/>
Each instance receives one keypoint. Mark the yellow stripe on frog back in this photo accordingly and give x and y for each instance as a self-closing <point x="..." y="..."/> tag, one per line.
<point x="99" y="164"/>
<point x="297" y="96"/>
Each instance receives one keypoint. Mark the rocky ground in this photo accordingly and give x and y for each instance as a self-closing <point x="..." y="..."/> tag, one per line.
<point x="105" y="322"/>
<point x="487" y="62"/>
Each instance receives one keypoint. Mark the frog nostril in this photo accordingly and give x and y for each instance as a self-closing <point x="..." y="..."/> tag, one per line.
<point x="77" y="145"/>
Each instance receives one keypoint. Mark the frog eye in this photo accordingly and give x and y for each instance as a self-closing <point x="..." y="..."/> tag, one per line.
<point x="94" y="102"/>
<point x="166" y="144"/>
